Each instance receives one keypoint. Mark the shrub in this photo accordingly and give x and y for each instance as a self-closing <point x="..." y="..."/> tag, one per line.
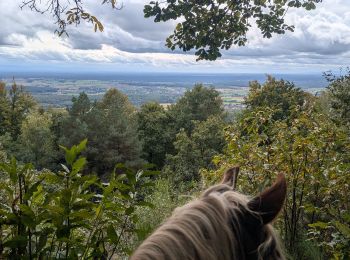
<point x="66" y="214"/>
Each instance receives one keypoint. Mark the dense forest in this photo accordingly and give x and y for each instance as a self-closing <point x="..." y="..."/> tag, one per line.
<point x="95" y="179"/>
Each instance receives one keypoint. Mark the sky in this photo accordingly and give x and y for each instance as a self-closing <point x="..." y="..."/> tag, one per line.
<point x="132" y="43"/>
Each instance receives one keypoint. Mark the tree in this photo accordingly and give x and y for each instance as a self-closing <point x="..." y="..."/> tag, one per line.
<point x="110" y="127"/>
<point x="67" y="13"/>
<point x="158" y="127"/>
<point x="81" y="105"/>
<point x="211" y="25"/>
<point x="312" y="151"/>
<point x="74" y="127"/>
<point x="280" y="95"/>
<point x="206" y="26"/>
<point x="339" y="89"/>
<point x="153" y="129"/>
<point x="20" y="105"/>
<point x="14" y="106"/>
<point x="4" y="109"/>
<point x="195" y="151"/>
<point x="197" y="104"/>
<point x="59" y="117"/>
<point x="37" y="140"/>
<point x="3" y="150"/>
<point x="119" y="139"/>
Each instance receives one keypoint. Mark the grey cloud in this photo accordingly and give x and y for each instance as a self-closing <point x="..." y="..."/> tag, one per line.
<point x="15" y="20"/>
<point x="123" y="40"/>
<point x="321" y="37"/>
<point x="126" y="30"/>
<point x="131" y="19"/>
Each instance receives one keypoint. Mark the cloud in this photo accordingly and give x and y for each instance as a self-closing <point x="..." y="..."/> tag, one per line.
<point x="324" y="31"/>
<point x="321" y="39"/>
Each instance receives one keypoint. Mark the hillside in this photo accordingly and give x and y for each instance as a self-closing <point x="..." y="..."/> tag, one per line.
<point x="96" y="178"/>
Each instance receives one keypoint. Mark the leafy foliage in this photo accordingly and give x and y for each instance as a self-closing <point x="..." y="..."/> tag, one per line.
<point x="5" y="109"/>
<point x="279" y="95"/>
<point x="67" y="13"/>
<point x="155" y="133"/>
<point x="69" y="212"/>
<point x="66" y="214"/>
<point x="15" y="104"/>
<point x="339" y="89"/>
<point x="37" y="140"/>
<point x="165" y="198"/>
<point x="313" y="153"/>
<point x="111" y="127"/>
<point x="208" y="26"/>
<point x="197" y="104"/>
<point x="178" y="137"/>
<point x="195" y="151"/>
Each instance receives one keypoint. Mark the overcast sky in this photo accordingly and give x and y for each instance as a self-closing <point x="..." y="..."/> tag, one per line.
<point x="130" y="42"/>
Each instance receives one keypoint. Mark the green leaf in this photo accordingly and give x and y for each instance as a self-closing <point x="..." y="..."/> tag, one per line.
<point x="291" y="3"/>
<point x="112" y="235"/>
<point x="28" y="217"/>
<point x="70" y="155"/>
<point x="78" y="165"/>
<point x="16" y="242"/>
<point x="11" y="169"/>
<point x="319" y="224"/>
<point x="345" y="230"/>
<point x="81" y="147"/>
<point x="98" y="210"/>
<point x="32" y="189"/>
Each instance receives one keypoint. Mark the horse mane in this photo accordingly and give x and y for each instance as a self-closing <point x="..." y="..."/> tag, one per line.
<point x="208" y="228"/>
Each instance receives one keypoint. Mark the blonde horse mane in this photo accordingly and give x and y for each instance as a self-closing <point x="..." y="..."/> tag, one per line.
<point x="209" y="227"/>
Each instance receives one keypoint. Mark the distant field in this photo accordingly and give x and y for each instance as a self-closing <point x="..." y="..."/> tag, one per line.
<point x="233" y="97"/>
<point x="165" y="89"/>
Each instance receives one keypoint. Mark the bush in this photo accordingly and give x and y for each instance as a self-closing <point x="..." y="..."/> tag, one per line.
<point x="313" y="153"/>
<point x="66" y="214"/>
<point x="165" y="199"/>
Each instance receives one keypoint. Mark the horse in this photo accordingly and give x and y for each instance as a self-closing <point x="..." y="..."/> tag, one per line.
<point x="221" y="224"/>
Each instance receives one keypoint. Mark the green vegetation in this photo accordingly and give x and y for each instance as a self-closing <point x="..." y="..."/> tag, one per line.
<point x="65" y="214"/>
<point x="283" y="130"/>
<point x="101" y="199"/>
<point x="206" y="26"/>
<point x="212" y="25"/>
<point x="195" y="150"/>
<point x="339" y="91"/>
<point x="109" y="125"/>
<point x="154" y="131"/>
<point x="15" y="103"/>
<point x="164" y="200"/>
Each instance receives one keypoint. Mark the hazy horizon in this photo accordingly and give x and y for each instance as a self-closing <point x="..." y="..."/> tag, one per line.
<point x="57" y="89"/>
<point x="320" y="42"/>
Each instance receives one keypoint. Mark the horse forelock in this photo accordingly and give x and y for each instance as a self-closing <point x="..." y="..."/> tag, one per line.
<point x="208" y="228"/>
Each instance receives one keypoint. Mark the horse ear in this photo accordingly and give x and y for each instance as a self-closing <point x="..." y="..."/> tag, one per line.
<point x="230" y="177"/>
<point x="270" y="202"/>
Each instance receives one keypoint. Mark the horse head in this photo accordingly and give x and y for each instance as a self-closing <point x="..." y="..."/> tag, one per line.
<point x="220" y="224"/>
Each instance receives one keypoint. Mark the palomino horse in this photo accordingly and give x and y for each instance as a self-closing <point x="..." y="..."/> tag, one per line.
<point x="222" y="224"/>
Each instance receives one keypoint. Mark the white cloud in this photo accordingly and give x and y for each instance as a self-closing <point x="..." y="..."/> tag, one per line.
<point x="321" y="41"/>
